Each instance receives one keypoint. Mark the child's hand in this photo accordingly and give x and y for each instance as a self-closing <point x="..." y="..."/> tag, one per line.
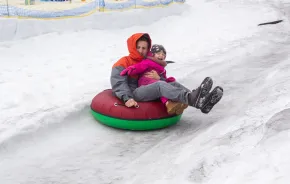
<point x="124" y="72"/>
<point x="127" y="71"/>
<point x="170" y="79"/>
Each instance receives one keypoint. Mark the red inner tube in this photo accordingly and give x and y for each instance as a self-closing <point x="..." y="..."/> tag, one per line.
<point x="107" y="104"/>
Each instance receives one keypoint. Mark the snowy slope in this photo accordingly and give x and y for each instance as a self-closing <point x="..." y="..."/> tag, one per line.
<point x="48" y="81"/>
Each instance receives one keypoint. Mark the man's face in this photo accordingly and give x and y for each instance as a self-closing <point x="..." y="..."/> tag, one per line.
<point x="142" y="47"/>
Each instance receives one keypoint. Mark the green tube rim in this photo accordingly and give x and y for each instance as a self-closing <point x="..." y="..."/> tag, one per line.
<point x="135" y="124"/>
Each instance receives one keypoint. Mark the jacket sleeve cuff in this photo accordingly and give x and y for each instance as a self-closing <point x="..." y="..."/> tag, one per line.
<point x="125" y="98"/>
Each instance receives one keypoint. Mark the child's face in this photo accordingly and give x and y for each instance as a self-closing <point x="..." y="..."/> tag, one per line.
<point x="160" y="55"/>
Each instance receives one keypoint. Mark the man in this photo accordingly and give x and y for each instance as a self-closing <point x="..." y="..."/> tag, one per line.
<point x="126" y="88"/>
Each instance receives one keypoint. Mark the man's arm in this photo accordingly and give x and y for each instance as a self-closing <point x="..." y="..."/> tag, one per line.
<point x="119" y="84"/>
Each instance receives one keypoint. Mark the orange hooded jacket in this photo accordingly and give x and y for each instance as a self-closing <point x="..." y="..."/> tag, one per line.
<point x="134" y="56"/>
<point x="123" y="86"/>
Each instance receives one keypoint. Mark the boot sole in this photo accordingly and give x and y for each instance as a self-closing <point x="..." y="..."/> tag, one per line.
<point x="214" y="97"/>
<point x="205" y="87"/>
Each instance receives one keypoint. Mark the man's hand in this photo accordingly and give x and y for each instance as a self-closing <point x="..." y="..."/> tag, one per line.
<point x="131" y="102"/>
<point x="152" y="74"/>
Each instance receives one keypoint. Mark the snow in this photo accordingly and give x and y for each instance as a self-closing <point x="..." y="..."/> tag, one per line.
<point x="15" y="29"/>
<point x="47" y="81"/>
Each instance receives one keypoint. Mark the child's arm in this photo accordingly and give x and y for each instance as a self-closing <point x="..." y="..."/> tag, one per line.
<point x="135" y="69"/>
<point x="161" y="62"/>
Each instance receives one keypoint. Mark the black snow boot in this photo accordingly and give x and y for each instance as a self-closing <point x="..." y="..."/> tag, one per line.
<point x="196" y="97"/>
<point x="212" y="99"/>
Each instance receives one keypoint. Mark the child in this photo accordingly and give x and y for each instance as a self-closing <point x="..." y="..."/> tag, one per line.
<point x="146" y="65"/>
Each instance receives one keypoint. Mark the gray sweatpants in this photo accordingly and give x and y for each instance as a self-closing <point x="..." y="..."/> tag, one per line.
<point x="173" y="91"/>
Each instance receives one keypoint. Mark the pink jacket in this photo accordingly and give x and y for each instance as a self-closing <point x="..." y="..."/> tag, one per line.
<point x="144" y="66"/>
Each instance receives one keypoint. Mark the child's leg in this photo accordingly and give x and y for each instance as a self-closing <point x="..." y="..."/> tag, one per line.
<point x="163" y="100"/>
<point x="173" y="107"/>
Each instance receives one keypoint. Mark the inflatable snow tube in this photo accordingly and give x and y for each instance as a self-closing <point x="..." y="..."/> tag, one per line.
<point x="109" y="110"/>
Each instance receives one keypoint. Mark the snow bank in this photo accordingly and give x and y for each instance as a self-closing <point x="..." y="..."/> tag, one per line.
<point x="13" y="29"/>
<point x="61" y="9"/>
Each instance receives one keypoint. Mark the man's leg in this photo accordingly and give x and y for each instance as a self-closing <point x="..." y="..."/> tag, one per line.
<point x="178" y="85"/>
<point x="154" y="91"/>
<point x="158" y="89"/>
<point x="161" y="88"/>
